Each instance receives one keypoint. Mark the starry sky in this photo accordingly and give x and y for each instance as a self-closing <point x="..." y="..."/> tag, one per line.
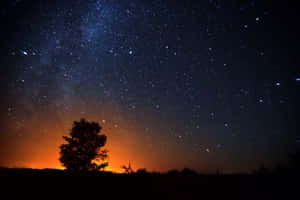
<point x="202" y="84"/>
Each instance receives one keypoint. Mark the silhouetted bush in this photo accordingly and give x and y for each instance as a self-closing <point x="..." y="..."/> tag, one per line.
<point x="142" y="171"/>
<point x="188" y="172"/>
<point x="173" y="172"/>
<point x="81" y="153"/>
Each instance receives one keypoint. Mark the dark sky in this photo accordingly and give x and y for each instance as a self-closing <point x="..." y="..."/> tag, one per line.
<point x="202" y="84"/>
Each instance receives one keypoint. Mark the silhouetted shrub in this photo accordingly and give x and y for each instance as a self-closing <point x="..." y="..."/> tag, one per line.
<point x="81" y="153"/>
<point x="188" y="172"/>
<point x="173" y="172"/>
<point x="142" y="171"/>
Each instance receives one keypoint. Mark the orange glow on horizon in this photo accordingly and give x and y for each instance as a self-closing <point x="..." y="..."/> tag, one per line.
<point x="36" y="145"/>
<point x="59" y="167"/>
<point x="38" y="148"/>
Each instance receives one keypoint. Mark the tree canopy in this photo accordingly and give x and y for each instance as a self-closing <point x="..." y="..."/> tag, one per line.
<point x="82" y="150"/>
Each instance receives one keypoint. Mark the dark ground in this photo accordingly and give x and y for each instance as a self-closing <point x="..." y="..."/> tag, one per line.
<point x="57" y="184"/>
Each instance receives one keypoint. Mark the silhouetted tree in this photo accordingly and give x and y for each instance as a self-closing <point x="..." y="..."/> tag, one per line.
<point x="82" y="152"/>
<point x="128" y="169"/>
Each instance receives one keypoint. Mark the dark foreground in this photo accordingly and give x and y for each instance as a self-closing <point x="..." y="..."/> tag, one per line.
<point x="56" y="184"/>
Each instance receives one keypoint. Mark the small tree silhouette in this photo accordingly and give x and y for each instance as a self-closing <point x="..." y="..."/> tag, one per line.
<point x="82" y="152"/>
<point x="128" y="169"/>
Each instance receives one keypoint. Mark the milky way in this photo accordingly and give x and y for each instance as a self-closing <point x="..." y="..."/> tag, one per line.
<point x="201" y="84"/>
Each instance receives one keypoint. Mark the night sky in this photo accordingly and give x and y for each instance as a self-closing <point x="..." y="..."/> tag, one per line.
<point x="202" y="84"/>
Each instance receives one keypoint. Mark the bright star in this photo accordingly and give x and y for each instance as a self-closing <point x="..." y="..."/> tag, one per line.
<point x="24" y="52"/>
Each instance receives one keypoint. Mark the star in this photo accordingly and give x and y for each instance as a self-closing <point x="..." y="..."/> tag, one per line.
<point x="24" y="53"/>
